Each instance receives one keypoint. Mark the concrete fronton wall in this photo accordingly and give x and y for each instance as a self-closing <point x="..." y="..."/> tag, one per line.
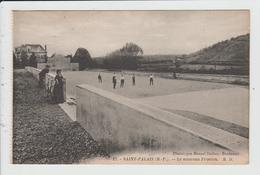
<point x="120" y="123"/>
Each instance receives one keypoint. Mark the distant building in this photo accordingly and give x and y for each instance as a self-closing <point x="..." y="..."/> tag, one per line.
<point x="58" y="61"/>
<point x="29" y="49"/>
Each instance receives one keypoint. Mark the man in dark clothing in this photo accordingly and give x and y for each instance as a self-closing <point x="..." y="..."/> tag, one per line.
<point x="114" y="81"/>
<point x="133" y="79"/>
<point x="42" y="75"/>
<point x="151" y="79"/>
<point x="99" y="78"/>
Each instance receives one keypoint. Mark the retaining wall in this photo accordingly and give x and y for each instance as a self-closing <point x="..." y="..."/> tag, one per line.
<point x="120" y="123"/>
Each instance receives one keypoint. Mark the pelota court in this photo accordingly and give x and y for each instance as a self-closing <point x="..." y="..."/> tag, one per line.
<point x="224" y="103"/>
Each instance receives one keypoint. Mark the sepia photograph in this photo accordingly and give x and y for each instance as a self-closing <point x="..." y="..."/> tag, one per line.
<point x="131" y="87"/>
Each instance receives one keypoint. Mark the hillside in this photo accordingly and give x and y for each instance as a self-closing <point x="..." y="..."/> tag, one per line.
<point x="233" y="51"/>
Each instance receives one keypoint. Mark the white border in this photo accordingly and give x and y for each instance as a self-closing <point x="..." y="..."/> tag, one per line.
<point x="6" y="88"/>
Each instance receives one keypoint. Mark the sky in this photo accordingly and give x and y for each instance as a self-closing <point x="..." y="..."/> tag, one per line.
<point x="101" y="32"/>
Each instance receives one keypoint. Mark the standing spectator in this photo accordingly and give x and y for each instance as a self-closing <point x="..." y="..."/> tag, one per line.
<point x="42" y="75"/>
<point x="58" y="96"/>
<point x="99" y="78"/>
<point x="114" y="81"/>
<point x="133" y="79"/>
<point x="174" y="75"/>
<point x="151" y="79"/>
<point x="122" y="82"/>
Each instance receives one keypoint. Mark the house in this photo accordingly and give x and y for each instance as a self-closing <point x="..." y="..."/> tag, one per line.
<point x="29" y="49"/>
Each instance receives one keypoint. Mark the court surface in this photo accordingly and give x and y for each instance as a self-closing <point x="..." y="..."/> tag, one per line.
<point x="218" y="100"/>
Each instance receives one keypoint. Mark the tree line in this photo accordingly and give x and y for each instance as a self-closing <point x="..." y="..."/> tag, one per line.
<point x="124" y="58"/>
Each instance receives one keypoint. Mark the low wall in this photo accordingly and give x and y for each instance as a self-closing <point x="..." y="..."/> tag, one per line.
<point x="49" y="80"/>
<point x="211" y="67"/>
<point x="35" y="72"/>
<point x="231" y="79"/>
<point x="64" y="67"/>
<point x="120" y="123"/>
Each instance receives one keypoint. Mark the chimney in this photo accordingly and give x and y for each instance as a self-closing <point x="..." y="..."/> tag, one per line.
<point x="45" y="47"/>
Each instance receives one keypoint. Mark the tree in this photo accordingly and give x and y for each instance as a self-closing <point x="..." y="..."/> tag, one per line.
<point x="84" y="59"/>
<point x="24" y="58"/>
<point x="177" y="64"/>
<point x="130" y="49"/>
<point x="45" y="58"/>
<point x="32" y="60"/>
<point x="125" y="57"/>
<point x="16" y="62"/>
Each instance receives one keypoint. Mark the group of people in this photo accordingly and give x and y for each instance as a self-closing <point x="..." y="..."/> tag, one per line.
<point x="56" y="92"/>
<point x="122" y="80"/>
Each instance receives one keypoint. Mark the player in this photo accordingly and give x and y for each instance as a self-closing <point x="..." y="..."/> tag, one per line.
<point x="114" y="80"/>
<point x="151" y="80"/>
<point x="122" y="81"/>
